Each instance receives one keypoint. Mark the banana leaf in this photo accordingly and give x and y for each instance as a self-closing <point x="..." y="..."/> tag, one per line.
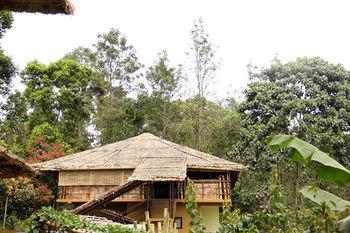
<point x="328" y="169"/>
<point x="323" y="197"/>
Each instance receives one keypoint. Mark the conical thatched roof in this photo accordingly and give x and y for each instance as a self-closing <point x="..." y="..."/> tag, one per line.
<point x="40" y="6"/>
<point x="12" y="166"/>
<point x="152" y="158"/>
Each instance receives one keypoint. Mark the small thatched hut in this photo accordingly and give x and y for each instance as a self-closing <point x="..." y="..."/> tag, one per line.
<point x="144" y="173"/>
<point x="40" y="6"/>
<point x="12" y="166"/>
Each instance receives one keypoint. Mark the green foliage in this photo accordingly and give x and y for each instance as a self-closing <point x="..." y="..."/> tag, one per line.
<point x="164" y="80"/>
<point x="60" y="95"/>
<point x="307" y="98"/>
<point x="115" y="67"/>
<point x="203" y="69"/>
<point x="202" y="57"/>
<point x="25" y="196"/>
<point x="49" y="132"/>
<point x="7" y="72"/>
<point x="278" y="217"/>
<point x="320" y="196"/>
<point x="327" y="168"/>
<point x="66" y="221"/>
<point x="192" y="209"/>
<point x="13" y="129"/>
<point x="286" y="221"/>
<point x="6" y="20"/>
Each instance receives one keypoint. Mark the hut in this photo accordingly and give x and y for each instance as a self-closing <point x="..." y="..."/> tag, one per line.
<point x="12" y="166"/>
<point x="40" y="6"/>
<point x="122" y="180"/>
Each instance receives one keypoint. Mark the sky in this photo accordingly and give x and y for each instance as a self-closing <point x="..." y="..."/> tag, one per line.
<point x="245" y="31"/>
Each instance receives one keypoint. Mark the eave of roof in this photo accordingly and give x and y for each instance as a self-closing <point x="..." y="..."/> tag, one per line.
<point x="12" y="166"/>
<point x="38" y="6"/>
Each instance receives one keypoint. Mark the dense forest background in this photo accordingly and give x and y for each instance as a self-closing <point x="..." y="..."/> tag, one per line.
<point x="103" y="93"/>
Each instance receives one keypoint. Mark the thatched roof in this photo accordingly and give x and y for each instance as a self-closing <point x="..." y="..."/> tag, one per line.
<point x="40" y="6"/>
<point x="12" y="166"/>
<point x="152" y="158"/>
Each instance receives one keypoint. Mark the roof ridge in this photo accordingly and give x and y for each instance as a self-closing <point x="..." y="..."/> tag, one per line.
<point x="118" y="151"/>
<point x="188" y="153"/>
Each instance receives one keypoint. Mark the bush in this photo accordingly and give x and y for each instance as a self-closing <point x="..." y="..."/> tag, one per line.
<point x="67" y="221"/>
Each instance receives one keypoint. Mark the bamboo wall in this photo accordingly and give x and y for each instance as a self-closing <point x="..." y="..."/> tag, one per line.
<point x="85" y="193"/>
<point x="93" y="177"/>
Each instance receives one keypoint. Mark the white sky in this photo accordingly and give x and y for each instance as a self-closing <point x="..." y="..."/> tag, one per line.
<point x="245" y="31"/>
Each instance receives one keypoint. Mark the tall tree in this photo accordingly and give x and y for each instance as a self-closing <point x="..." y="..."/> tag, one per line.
<point x="60" y="94"/>
<point x="202" y="54"/>
<point x="10" y="121"/>
<point x="309" y="98"/>
<point x="118" y="64"/>
<point x="164" y="81"/>
<point x="7" y="69"/>
<point x="6" y="20"/>
<point x="12" y="127"/>
<point x="116" y="67"/>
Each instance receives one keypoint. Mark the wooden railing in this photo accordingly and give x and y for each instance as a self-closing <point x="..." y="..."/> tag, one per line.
<point x="85" y="193"/>
<point x="209" y="189"/>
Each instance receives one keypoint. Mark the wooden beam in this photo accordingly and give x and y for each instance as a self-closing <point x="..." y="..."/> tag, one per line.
<point x="134" y="207"/>
<point x="106" y="197"/>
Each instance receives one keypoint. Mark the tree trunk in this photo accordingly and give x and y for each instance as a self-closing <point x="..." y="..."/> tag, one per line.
<point x="295" y="186"/>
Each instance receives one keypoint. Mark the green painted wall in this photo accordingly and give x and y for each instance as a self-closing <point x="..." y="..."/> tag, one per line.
<point x="210" y="217"/>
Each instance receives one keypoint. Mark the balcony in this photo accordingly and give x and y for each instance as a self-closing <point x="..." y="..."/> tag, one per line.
<point x="215" y="190"/>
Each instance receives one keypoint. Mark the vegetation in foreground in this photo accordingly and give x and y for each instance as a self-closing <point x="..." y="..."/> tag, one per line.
<point x="66" y="221"/>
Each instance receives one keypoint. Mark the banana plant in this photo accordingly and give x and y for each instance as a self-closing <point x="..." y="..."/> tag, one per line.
<point x="328" y="169"/>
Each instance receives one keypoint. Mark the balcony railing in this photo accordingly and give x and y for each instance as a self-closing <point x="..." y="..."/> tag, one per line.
<point x="85" y="193"/>
<point x="205" y="190"/>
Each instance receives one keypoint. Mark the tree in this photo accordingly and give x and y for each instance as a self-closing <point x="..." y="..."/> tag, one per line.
<point x="202" y="55"/>
<point x="116" y="61"/>
<point x="164" y="81"/>
<point x="9" y="122"/>
<point x="7" y="72"/>
<point x="308" y="98"/>
<point x="6" y="20"/>
<point x="7" y="69"/>
<point x="60" y="95"/>
<point x="115" y="66"/>
<point x="13" y="129"/>
<point x="45" y="143"/>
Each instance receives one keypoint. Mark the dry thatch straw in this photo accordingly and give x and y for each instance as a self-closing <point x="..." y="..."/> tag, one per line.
<point x="40" y="6"/>
<point x="12" y="166"/>
<point x="151" y="158"/>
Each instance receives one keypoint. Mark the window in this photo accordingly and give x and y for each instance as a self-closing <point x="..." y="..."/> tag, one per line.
<point x="178" y="222"/>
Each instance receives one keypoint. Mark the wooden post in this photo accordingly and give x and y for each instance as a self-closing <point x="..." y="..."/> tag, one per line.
<point x="148" y="221"/>
<point x="166" y="221"/>
<point x="175" y="228"/>
<point x="171" y="224"/>
<point x="169" y="200"/>
<point x="5" y="212"/>
<point x="159" y="226"/>
<point x="135" y="225"/>
<point x="144" y="227"/>
<point x="153" y="229"/>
